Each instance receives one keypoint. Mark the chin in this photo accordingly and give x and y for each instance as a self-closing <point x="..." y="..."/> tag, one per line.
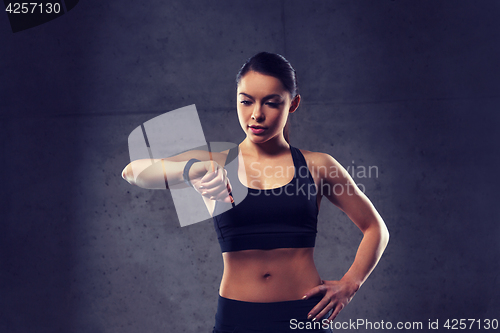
<point x="257" y="139"/>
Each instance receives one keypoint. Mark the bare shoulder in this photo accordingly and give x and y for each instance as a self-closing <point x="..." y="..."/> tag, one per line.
<point x="323" y="165"/>
<point x="319" y="159"/>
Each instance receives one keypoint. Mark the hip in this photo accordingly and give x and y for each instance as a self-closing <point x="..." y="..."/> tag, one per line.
<point x="285" y="316"/>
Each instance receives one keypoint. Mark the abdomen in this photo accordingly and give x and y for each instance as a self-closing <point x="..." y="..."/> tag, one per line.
<point x="275" y="275"/>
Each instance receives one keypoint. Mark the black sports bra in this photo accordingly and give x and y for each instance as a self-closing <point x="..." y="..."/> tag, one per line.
<point x="283" y="217"/>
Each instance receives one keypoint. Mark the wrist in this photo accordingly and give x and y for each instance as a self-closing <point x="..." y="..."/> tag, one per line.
<point x="354" y="283"/>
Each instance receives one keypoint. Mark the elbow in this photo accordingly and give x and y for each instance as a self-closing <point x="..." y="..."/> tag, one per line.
<point x="379" y="231"/>
<point x="126" y="175"/>
<point x="384" y="234"/>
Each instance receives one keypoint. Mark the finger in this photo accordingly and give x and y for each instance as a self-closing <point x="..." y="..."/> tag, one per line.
<point x="223" y="196"/>
<point x="212" y="172"/>
<point x="335" y="312"/>
<point x="215" y="179"/>
<point x="314" y="291"/>
<point x="313" y="314"/>
<point x="208" y="176"/>
<point x="226" y="179"/>
<point x="218" y="192"/>
<point x="215" y="193"/>
<point x="324" y="312"/>
<point x="216" y="186"/>
<point x="230" y="191"/>
<point x="221" y="191"/>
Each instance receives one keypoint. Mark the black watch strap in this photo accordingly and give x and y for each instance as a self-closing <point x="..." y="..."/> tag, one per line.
<point x="185" y="173"/>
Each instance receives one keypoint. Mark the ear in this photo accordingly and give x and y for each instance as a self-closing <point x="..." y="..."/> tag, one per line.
<point x="295" y="104"/>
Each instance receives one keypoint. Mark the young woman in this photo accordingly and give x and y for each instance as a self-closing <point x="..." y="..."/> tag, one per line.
<point x="270" y="282"/>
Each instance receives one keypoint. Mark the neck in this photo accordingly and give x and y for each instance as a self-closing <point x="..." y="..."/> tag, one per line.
<point x="271" y="147"/>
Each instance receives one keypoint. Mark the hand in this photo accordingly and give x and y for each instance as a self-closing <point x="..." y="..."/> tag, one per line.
<point x="337" y="294"/>
<point x="210" y="180"/>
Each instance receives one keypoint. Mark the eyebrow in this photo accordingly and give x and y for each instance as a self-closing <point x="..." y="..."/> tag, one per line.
<point x="265" y="97"/>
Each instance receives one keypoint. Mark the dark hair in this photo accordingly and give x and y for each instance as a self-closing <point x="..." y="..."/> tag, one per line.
<point x="275" y="65"/>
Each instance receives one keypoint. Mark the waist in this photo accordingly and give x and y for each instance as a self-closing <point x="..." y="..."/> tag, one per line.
<point x="268" y="275"/>
<point x="263" y="315"/>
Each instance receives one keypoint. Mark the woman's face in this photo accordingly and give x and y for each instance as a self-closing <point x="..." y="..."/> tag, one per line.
<point x="263" y="105"/>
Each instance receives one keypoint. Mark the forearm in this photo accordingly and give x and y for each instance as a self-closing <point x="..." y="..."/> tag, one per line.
<point x="156" y="174"/>
<point x="159" y="173"/>
<point x="375" y="239"/>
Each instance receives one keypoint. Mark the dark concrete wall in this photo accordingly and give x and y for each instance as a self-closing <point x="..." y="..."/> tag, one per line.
<point x="409" y="87"/>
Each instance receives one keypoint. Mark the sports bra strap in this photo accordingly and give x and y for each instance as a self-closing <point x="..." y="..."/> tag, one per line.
<point x="300" y="164"/>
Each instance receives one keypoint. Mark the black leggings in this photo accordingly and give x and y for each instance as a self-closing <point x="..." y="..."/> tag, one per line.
<point x="248" y="317"/>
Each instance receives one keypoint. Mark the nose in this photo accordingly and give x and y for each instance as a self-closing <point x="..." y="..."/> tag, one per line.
<point x="257" y="113"/>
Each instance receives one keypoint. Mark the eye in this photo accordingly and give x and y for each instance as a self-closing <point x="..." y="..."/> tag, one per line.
<point x="245" y="102"/>
<point x="273" y="105"/>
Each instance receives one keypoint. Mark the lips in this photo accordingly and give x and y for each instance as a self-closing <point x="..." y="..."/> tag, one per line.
<point x="257" y="129"/>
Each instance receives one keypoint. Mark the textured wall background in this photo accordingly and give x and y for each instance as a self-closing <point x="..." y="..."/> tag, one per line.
<point x="411" y="87"/>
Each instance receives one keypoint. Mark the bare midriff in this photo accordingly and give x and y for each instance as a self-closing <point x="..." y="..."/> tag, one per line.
<point x="268" y="275"/>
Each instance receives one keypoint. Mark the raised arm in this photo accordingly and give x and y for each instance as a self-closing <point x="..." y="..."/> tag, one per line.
<point x="340" y="189"/>
<point x="159" y="173"/>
